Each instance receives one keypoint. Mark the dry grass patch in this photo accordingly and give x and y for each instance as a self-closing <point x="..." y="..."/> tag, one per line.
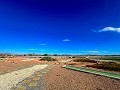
<point x="114" y="66"/>
<point x="84" y="60"/>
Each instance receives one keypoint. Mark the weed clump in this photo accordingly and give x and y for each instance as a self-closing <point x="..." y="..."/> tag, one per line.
<point x="84" y="60"/>
<point x="107" y="66"/>
<point x="48" y="59"/>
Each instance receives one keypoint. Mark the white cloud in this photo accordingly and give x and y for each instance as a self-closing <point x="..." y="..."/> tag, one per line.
<point x="110" y="29"/>
<point x="32" y="49"/>
<point x="42" y="44"/>
<point x="42" y="50"/>
<point x="93" y="51"/>
<point x="105" y="51"/>
<point x="66" y="40"/>
<point x="55" y="50"/>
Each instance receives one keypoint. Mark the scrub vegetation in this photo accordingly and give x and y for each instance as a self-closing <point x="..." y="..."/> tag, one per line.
<point x="114" y="66"/>
<point x="48" y="59"/>
<point x="106" y="65"/>
<point x="84" y="60"/>
<point x="113" y="58"/>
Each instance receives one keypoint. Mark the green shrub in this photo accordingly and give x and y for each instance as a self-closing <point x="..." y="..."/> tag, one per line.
<point x="84" y="60"/>
<point x="45" y="55"/>
<point x="73" y="57"/>
<point x="2" y="57"/>
<point x="48" y="59"/>
<point x="108" y="58"/>
<point x="108" y="66"/>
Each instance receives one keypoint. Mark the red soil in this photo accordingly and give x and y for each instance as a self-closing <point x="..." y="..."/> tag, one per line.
<point x="16" y="63"/>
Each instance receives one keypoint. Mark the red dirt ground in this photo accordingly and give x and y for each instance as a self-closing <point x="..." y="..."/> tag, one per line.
<point x="16" y="63"/>
<point x="13" y="64"/>
<point x="64" y="79"/>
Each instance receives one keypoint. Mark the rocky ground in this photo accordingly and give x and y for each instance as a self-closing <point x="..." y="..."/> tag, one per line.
<point x="63" y="79"/>
<point x="58" y="78"/>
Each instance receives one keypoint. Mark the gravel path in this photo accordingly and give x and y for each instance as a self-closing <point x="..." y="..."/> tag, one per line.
<point x="64" y="79"/>
<point x="9" y="80"/>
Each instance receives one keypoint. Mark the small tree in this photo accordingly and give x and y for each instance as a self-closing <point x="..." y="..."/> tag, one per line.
<point x="55" y="55"/>
<point x="45" y="55"/>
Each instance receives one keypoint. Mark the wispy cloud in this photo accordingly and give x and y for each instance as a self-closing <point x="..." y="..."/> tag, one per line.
<point x="42" y="44"/>
<point x="96" y="51"/>
<point x="106" y="29"/>
<point x="66" y="40"/>
<point x="32" y="49"/>
<point x="93" y="51"/>
<point x="54" y="50"/>
<point x="105" y="51"/>
<point x="42" y="50"/>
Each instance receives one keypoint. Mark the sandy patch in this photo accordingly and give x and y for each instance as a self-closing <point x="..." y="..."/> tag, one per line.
<point x="9" y="80"/>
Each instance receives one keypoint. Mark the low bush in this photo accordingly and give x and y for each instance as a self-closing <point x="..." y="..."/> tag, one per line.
<point x="84" y="60"/>
<point x="2" y="57"/>
<point x="108" y="58"/>
<point x="48" y="59"/>
<point x="108" y="66"/>
<point x="73" y="57"/>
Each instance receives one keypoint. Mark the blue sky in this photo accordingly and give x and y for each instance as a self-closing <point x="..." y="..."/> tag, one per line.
<point x="60" y="26"/>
